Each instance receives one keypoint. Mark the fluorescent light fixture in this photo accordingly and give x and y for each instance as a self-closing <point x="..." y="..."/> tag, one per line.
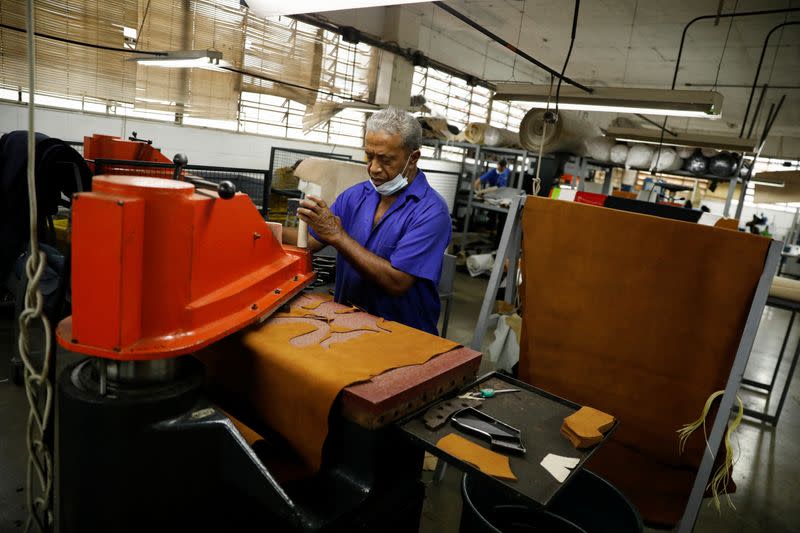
<point x="274" y="8"/>
<point x="676" y="103"/>
<point x="372" y="108"/>
<point x="183" y="59"/>
<point x="770" y="183"/>
<point x="701" y="140"/>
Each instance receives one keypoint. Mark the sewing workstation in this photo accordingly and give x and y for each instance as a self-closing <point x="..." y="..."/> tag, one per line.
<point x="398" y="266"/>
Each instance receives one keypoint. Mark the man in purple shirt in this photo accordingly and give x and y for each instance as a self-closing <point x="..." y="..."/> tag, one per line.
<point x="390" y="231"/>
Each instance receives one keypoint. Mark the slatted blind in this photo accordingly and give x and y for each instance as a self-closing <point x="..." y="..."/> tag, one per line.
<point x="282" y="49"/>
<point x="191" y="25"/>
<point x="278" y="48"/>
<point x="67" y="69"/>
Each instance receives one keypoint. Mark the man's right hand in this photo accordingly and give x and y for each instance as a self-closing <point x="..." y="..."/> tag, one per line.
<point x="315" y="212"/>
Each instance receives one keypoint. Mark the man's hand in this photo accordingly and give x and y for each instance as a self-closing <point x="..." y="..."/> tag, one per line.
<point x="314" y="211"/>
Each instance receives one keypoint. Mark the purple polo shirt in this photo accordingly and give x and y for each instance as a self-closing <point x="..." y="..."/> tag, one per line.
<point x="412" y="235"/>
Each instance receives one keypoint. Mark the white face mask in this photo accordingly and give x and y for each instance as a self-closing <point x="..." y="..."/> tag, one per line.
<point x="398" y="183"/>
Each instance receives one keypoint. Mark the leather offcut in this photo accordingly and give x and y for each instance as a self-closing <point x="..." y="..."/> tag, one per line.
<point x="486" y="461"/>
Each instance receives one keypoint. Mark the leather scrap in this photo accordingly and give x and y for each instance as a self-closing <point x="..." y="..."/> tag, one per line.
<point x="559" y="466"/>
<point x="487" y="461"/>
<point x="316" y="301"/>
<point x="586" y="426"/>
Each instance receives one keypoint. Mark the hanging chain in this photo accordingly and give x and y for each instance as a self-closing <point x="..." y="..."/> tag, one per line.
<point x="38" y="388"/>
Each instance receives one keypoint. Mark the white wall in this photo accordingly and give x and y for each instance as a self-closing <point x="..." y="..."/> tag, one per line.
<point x="203" y="146"/>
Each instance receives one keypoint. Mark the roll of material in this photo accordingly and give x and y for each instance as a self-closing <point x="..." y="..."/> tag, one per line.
<point x="639" y="156"/>
<point x="696" y="163"/>
<point x="479" y="263"/>
<point x="619" y="153"/>
<point x="500" y="137"/>
<point x="629" y="177"/>
<point x="302" y="234"/>
<point x="437" y="128"/>
<point x="723" y="164"/>
<point x="566" y="135"/>
<point x="478" y="133"/>
<point x="598" y="148"/>
<point x="685" y="152"/>
<point x="665" y="159"/>
<point x="709" y="152"/>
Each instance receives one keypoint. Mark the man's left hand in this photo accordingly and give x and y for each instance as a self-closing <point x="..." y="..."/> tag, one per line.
<point x="315" y="212"/>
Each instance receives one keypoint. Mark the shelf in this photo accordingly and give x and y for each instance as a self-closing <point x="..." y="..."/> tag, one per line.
<point x="483" y="205"/>
<point x="434" y="143"/>
<point x="676" y="173"/>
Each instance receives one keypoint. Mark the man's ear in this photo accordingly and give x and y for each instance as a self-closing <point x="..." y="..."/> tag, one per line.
<point x="415" y="155"/>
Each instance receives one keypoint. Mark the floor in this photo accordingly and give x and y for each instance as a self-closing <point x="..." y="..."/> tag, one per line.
<point x="767" y="471"/>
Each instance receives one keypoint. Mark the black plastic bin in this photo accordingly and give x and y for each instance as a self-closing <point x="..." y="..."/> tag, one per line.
<point x="588" y="504"/>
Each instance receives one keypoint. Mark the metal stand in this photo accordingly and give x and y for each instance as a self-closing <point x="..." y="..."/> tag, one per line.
<point x="510" y="248"/>
<point x="687" y="522"/>
<point x="788" y="305"/>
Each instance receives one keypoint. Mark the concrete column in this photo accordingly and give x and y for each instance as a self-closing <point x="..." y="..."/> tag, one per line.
<point x="396" y="73"/>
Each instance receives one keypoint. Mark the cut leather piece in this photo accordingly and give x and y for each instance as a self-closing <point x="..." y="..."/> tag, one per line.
<point x="299" y="312"/>
<point x="317" y="301"/>
<point x="661" y="324"/>
<point x="559" y="466"/>
<point x="486" y="461"/>
<point x="578" y="441"/>
<point x="585" y="427"/>
<point x="348" y="310"/>
<point x="292" y="385"/>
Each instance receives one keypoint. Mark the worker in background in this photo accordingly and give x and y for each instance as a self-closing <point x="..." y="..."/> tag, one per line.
<point x="390" y="231"/>
<point x="494" y="177"/>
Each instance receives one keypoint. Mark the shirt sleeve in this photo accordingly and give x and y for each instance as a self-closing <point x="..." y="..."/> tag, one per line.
<point x="420" y="251"/>
<point x="487" y="176"/>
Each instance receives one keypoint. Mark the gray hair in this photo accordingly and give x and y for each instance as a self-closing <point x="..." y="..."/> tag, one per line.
<point x="395" y="121"/>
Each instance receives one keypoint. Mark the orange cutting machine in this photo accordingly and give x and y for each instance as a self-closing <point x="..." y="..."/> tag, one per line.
<point x="162" y="268"/>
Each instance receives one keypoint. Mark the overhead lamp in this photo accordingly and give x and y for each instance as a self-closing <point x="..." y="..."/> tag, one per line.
<point x="274" y="8"/>
<point x="701" y="140"/>
<point x="182" y="59"/>
<point x="676" y="103"/>
<point x="768" y="183"/>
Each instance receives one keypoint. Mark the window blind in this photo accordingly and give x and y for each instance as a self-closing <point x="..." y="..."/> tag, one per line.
<point x="68" y="69"/>
<point x="191" y="25"/>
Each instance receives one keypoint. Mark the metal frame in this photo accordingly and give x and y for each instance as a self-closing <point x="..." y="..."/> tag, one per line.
<point x="509" y="247"/>
<point x="100" y="163"/>
<point x="522" y="158"/>
<point x="687" y="522"/>
<point x="793" y="307"/>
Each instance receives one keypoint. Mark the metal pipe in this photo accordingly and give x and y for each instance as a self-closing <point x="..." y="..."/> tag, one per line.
<point x="656" y="124"/>
<point x="714" y="16"/>
<point x="739" y="85"/>
<point x="758" y="109"/>
<point x="771" y="116"/>
<point x="415" y="56"/>
<point x="758" y="69"/>
<point x="469" y="22"/>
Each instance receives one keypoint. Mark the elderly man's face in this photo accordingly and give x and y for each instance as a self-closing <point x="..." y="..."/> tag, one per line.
<point x="386" y="156"/>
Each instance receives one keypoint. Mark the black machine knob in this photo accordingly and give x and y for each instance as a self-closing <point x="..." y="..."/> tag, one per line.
<point x="180" y="161"/>
<point x="226" y="189"/>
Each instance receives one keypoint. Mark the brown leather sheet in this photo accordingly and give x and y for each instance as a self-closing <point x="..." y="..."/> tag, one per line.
<point x="291" y="368"/>
<point x="640" y="317"/>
